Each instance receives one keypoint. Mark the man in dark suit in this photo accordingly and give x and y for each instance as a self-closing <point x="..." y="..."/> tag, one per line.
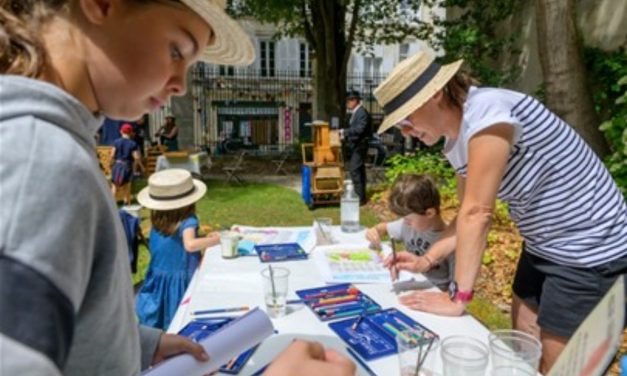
<point x="356" y="138"/>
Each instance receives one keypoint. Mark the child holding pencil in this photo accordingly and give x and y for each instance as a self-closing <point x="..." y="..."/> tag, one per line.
<point x="174" y="244"/>
<point x="416" y="199"/>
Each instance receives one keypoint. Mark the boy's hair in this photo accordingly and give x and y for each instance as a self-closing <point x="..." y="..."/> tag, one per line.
<point x="167" y="222"/>
<point x="414" y="194"/>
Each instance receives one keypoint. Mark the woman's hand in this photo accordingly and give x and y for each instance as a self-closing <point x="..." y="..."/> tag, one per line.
<point x="310" y="359"/>
<point x="438" y="303"/>
<point x="172" y="344"/>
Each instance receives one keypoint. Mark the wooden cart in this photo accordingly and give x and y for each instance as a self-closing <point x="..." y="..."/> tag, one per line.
<point x="323" y="168"/>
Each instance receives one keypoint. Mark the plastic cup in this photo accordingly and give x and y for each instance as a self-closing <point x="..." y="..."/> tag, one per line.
<point x="275" y="286"/>
<point x="415" y="355"/>
<point x="322" y="230"/>
<point x="228" y="243"/>
<point x="513" y="371"/>
<point x="513" y="348"/>
<point x="464" y="356"/>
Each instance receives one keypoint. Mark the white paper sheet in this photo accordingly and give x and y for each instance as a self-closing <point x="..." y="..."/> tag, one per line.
<point x="343" y="263"/>
<point x="226" y="343"/>
<point x="269" y="235"/>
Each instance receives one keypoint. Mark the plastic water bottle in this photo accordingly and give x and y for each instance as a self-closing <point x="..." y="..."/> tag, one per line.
<point x="349" y="208"/>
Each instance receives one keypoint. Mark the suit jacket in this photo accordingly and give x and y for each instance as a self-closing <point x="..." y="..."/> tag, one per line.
<point x="359" y="129"/>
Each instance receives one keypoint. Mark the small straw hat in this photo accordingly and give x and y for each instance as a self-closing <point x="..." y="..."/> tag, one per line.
<point x="231" y="45"/>
<point x="171" y="189"/>
<point x="410" y="84"/>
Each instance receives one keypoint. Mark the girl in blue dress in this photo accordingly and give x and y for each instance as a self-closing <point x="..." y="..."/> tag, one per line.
<point x="175" y="247"/>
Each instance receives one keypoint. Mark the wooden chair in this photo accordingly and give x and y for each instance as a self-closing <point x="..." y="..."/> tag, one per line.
<point x="104" y="159"/>
<point x="150" y="162"/>
<point x="233" y="170"/>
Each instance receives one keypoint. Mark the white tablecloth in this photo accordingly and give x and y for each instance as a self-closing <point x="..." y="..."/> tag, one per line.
<point x="236" y="282"/>
<point x="194" y="163"/>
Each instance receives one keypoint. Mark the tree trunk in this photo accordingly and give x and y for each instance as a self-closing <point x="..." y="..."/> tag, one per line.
<point x="328" y="21"/>
<point x="567" y="92"/>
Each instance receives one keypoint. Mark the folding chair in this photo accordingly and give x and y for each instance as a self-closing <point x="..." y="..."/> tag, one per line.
<point x="280" y="162"/>
<point x="234" y="169"/>
<point x="376" y="172"/>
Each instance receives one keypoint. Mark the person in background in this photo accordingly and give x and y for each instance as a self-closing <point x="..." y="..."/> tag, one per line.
<point x="168" y="133"/>
<point x="66" y="299"/>
<point x="140" y="130"/>
<point x="415" y="198"/>
<point x="124" y="156"/>
<point x="505" y="144"/>
<point x="174" y="245"/>
<point x="356" y="138"/>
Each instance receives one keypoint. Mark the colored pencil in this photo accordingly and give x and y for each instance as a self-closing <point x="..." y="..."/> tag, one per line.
<point x="358" y="321"/>
<point x="361" y="362"/>
<point x="220" y="310"/>
<point x="397" y="332"/>
<point x="325" y="294"/>
<point x="393" y="243"/>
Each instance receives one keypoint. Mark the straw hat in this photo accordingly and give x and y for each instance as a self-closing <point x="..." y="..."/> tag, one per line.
<point x="231" y="45"/>
<point x="171" y="189"/>
<point x="410" y="84"/>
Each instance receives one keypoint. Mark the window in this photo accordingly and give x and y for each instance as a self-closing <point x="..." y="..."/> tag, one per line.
<point x="372" y="67"/>
<point x="305" y="61"/>
<point x="403" y="51"/>
<point x="227" y="70"/>
<point x="267" y="58"/>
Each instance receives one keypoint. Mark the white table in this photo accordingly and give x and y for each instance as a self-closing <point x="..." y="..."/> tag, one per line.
<point x="196" y="163"/>
<point x="237" y="282"/>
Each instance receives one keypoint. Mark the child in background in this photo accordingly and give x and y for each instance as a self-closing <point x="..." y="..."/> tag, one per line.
<point x="417" y="200"/>
<point x="124" y="156"/>
<point x="175" y="247"/>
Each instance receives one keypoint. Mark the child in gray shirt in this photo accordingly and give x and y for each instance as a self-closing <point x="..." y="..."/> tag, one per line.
<point x="416" y="199"/>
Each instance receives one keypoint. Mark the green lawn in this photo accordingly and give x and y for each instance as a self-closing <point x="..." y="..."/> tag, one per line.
<point x="259" y="204"/>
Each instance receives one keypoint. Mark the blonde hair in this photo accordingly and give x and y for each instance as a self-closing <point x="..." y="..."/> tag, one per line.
<point x="414" y="194"/>
<point x="21" y="49"/>
<point x="167" y="222"/>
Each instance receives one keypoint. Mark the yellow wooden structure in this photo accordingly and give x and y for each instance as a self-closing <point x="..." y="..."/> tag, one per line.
<point x="324" y="158"/>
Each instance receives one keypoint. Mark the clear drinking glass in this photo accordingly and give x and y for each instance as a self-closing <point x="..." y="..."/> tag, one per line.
<point x="463" y="356"/>
<point x="513" y="348"/>
<point x="322" y="230"/>
<point x="416" y="355"/>
<point x="228" y="243"/>
<point x="513" y="371"/>
<point x="275" y="290"/>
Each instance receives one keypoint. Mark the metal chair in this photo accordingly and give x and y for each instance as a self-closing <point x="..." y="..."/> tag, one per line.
<point x="232" y="171"/>
<point x="278" y="163"/>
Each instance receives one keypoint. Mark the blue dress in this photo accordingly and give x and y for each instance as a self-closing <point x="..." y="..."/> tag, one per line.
<point x="169" y="273"/>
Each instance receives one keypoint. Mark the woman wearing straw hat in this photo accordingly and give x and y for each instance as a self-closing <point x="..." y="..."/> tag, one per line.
<point x="66" y="302"/>
<point x="508" y="145"/>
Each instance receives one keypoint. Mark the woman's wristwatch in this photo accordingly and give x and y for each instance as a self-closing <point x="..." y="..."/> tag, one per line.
<point x="459" y="296"/>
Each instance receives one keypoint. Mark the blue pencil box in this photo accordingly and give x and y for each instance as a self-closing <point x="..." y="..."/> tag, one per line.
<point x="202" y="328"/>
<point x="374" y="337"/>
<point x="337" y="301"/>
<point x="280" y="252"/>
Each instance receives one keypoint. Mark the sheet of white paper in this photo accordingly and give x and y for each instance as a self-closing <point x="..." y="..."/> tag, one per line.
<point x="270" y="235"/>
<point x="343" y="263"/>
<point x="226" y="343"/>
